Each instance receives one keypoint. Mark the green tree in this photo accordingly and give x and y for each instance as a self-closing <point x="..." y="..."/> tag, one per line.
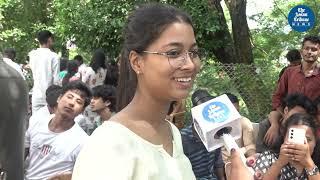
<point x="274" y="35"/>
<point x="93" y="24"/>
<point x="20" y="22"/>
<point x="96" y="24"/>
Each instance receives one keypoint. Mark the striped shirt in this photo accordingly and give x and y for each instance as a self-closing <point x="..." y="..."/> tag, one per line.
<point x="203" y="162"/>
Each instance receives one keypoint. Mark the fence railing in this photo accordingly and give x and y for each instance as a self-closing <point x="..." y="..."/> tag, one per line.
<point x="253" y="84"/>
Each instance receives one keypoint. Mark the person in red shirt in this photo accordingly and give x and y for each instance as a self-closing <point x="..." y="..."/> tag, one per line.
<point x="303" y="79"/>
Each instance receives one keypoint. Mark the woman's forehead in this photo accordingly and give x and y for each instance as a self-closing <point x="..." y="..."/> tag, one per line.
<point x="176" y="34"/>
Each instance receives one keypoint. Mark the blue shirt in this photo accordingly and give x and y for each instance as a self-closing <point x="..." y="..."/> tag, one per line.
<point x="203" y="162"/>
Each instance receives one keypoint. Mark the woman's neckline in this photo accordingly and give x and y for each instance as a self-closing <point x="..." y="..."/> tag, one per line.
<point x="158" y="146"/>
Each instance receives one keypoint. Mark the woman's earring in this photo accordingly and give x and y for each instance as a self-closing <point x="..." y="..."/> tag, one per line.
<point x="138" y="72"/>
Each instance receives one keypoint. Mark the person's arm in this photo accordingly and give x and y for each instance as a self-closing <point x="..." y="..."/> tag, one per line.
<point x="238" y="169"/>
<point x="263" y="128"/>
<point x="56" y="70"/>
<point x="273" y="132"/>
<point x="280" y="92"/>
<point x="274" y="171"/>
<point x="276" y="167"/>
<point x="249" y="147"/>
<point x="275" y="115"/>
<point x="303" y="157"/>
<point x="309" y="168"/>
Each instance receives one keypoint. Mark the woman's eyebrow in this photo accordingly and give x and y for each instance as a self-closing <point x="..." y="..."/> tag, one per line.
<point x="178" y="44"/>
<point x="173" y="44"/>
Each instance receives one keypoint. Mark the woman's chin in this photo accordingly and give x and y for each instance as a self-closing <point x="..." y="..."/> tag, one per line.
<point x="181" y="95"/>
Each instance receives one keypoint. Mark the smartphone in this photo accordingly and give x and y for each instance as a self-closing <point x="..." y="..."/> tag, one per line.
<point x="296" y="135"/>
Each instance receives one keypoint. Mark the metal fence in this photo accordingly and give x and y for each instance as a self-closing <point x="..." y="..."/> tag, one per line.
<point x="253" y="84"/>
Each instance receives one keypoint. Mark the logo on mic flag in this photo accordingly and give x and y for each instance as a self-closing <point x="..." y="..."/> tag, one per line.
<point x="212" y="116"/>
<point x="216" y="112"/>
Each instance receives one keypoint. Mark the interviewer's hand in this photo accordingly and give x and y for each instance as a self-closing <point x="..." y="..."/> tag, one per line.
<point x="64" y="176"/>
<point x="238" y="169"/>
<point x="251" y="160"/>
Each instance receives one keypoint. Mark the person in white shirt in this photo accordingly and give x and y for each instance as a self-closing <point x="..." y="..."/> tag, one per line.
<point x="9" y="56"/>
<point x="54" y="142"/>
<point x="44" y="65"/>
<point x="96" y="72"/>
<point x="52" y="94"/>
<point x="160" y="59"/>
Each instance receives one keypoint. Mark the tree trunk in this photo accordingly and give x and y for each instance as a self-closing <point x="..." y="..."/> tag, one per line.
<point x="239" y="51"/>
<point x="240" y="30"/>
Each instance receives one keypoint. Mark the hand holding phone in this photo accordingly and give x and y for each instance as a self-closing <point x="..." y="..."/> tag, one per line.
<point x="296" y="135"/>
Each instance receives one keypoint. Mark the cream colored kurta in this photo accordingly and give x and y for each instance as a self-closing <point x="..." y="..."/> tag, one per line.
<point x="114" y="152"/>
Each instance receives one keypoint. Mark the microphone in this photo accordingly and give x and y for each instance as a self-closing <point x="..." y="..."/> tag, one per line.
<point x="217" y="122"/>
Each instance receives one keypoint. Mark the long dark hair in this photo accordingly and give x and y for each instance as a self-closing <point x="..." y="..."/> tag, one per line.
<point x="98" y="60"/>
<point x="143" y="27"/>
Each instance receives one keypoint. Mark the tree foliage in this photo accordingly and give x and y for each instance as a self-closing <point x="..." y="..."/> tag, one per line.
<point x="274" y="35"/>
<point x="92" y="24"/>
<point x="22" y="19"/>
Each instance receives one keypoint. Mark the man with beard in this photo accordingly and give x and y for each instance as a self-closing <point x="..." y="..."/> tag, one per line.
<point x="54" y="143"/>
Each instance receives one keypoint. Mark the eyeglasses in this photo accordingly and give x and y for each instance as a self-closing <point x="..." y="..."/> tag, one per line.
<point x="179" y="58"/>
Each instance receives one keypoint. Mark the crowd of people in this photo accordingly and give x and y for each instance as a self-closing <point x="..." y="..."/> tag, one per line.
<point x="124" y="120"/>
